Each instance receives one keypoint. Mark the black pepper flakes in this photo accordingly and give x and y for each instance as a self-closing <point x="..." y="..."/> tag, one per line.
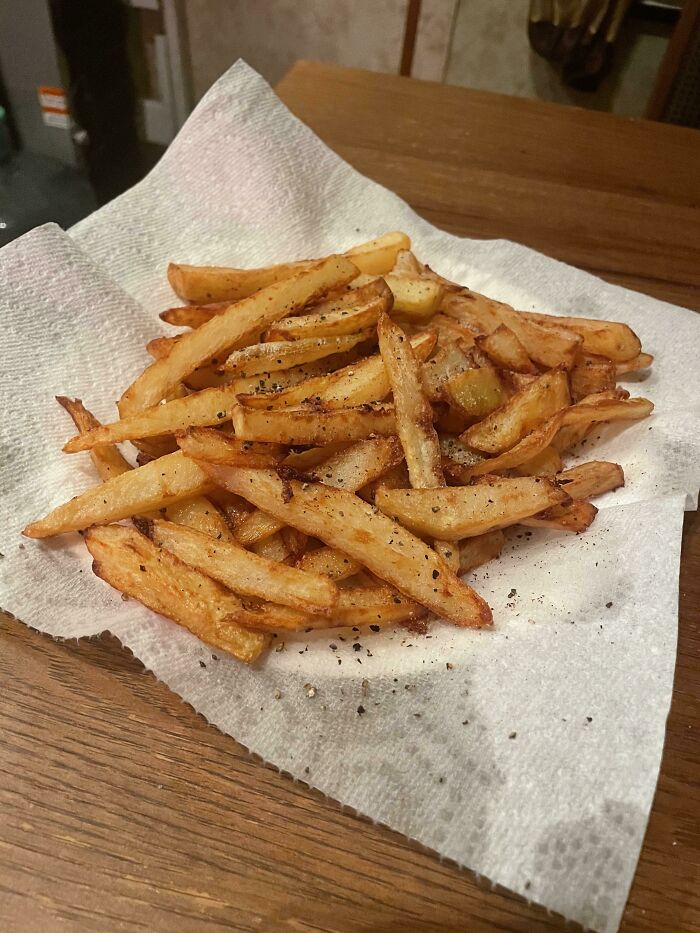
<point x="360" y="710"/>
<point x="375" y="628"/>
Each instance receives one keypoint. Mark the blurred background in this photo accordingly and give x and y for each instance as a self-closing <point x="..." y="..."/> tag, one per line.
<point x="92" y="91"/>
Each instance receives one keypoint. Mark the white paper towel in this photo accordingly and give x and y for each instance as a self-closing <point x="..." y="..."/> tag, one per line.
<point x="533" y="759"/>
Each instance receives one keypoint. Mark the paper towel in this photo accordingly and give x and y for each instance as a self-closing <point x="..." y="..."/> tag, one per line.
<point x="533" y="758"/>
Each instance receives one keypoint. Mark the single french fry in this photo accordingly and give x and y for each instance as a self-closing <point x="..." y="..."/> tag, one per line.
<point x="414" y="415"/>
<point x="361" y="605"/>
<point x="524" y="451"/>
<point x="637" y="363"/>
<point x="476" y="392"/>
<point x="192" y="315"/>
<point x="201" y="514"/>
<point x="605" y="338"/>
<point x="591" y="374"/>
<point x="155" y="485"/>
<point x="357" y="384"/>
<point x="210" y="406"/>
<point x="406" y="264"/>
<point x="296" y="426"/>
<point x="329" y="562"/>
<point x="245" y="573"/>
<point x="206" y="284"/>
<point x="456" y="512"/>
<point x="602" y="407"/>
<point x="506" y="351"/>
<point x="107" y="459"/>
<point x="275" y="355"/>
<point x="223" y="448"/>
<point x="131" y="563"/>
<point x="352" y="311"/>
<point x="342" y="520"/>
<point x="591" y="479"/>
<point x="473" y="552"/>
<point x="521" y="414"/>
<point x="242" y="321"/>
<point x="575" y="517"/>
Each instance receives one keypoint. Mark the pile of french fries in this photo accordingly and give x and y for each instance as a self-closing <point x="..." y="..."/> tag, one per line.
<point x="337" y="442"/>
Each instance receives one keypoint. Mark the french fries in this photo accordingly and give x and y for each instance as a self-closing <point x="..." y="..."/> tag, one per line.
<point x="295" y="444"/>
<point x="128" y="561"/>
<point x="457" y="512"/>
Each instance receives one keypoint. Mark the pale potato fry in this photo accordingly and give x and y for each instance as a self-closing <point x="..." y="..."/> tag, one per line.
<point x="206" y="284"/>
<point x="296" y="426"/>
<point x="273" y="547"/>
<point x="521" y="414"/>
<point x="506" y="351"/>
<point x="351" y="311"/>
<point x="606" y="338"/>
<point x="357" y="384"/>
<point x="548" y="346"/>
<point x="131" y="563"/>
<point x="329" y="562"/>
<point x="107" y="459"/>
<point x="451" y="359"/>
<point x="591" y="479"/>
<point x="591" y="374"/>
<point x="161" y="347"/>
<point x="406" y="264"/>
<point x="576" y="517"/>
<point x="476" y="392"/>
<point x="342" y="520"/>
<point x="546" y="463"/>
<point x="155" y="485"/>
<point x="245" y="573"/>
<point x="269" y="357"/>
<point x="415" y="298"/>
<point x="643" y="361"/>
<point x="210" y="406"/>
<point x="456" y="512"/>
<point x="414" y="416"/>
<point x="241" y="322"/>
<point x="473" y="552"/>
<point x="258" y="527"/>
<point x="199" y="513"/>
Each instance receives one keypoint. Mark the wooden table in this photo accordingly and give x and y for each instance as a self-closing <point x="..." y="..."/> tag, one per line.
<point x="120" y="809"/>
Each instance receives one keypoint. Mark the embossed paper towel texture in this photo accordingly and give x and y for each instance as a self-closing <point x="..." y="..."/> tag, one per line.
<point x="533" y="760"/>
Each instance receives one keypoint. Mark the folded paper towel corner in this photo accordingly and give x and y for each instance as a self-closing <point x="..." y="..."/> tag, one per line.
<point x="535" y="756"/>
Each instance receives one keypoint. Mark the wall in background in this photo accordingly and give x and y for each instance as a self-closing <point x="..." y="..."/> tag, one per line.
<point x="272" y="34"/>
<point x="490" y="51"/>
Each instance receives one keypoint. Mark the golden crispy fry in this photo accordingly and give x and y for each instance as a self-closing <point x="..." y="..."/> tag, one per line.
<point x="221" y="448"/>
<point x="473" y="552"/>
<point x="269" y="357"/>
<point x="452" y="358"/>
<point x="192" y="315"/>
<point x="273" y="548"/>
<point x="258" y="527"/>
<point x="107" y="459"/>
<point x="591" y="374"/>
<point x="506" y="351"/>
<point x="530" y="446"/>
<point x="575" y="517"/>
<point x="296" y="426"/>
<point x="156" y="485"/>
<point x="131" y="563"/>
<point x="361" y="605"/>
<point x="569" y="436"/>
<point x="199" y="513"/>
<point x="329" y="562"/>
<point x="161" y="347"/>
<point x="210" y="406"/>
<point x="591" y="479"/>
<point x="521" y="414"/>
<point x="311" y="457"/>
<point x="476" y="392"/>
<point x="340" y="519"/>
<point x="241" y="322"/>
<point x="548" y="346"/>
<point x="546" y="463"/>
<point x="358" y="384"/>
<point x="350" y="312"/>
<point x="244" y="573"/>
<point x="458" y="512"/>
<point x="603" y="407"/>
<point x="606" y="338"/>
<point x="643" y="361"/>
<point x="414" y="416"/>
<point x="206" y="284"/>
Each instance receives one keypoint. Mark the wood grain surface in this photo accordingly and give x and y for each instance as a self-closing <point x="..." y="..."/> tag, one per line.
<point x="121" y="809"/>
